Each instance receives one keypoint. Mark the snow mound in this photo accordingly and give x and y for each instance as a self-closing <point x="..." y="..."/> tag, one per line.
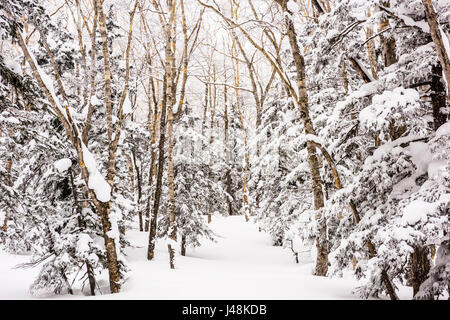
<point x="63" y="164"/>
<point x="95" y="101"/>
<point x="417" y="211"/>
<point x="443" y="130"/>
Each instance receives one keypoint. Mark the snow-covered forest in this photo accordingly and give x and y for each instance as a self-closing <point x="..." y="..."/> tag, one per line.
<point x="225" y="149"/>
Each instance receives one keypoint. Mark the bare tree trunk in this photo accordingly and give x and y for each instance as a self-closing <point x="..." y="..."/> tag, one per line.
<point x="234" y="53"/>
<point x="388" y="47"/>
<point x="152" y="119"/>
<point x="356" y="65"/>
<point x="437" y="34"/>
<point x="170" y="176"/>
<point x="131" y="171"/>
<point x="139" y="187"/>
<point x="171" y="89"/>
<point x="438" y="97"/>
<point x="152" y="170"/>
<point x="183" y="245"/>
<point x="388" y="50"/>
<point x="158" y="188"/>
<point x="91" y="278"/>
<point x="420" y="267"/>
<point x="371" y="50"/>
<point x="321" y="239"/>
<point x="213" y="99"/>
<point x="227" y="153"/>
<point x="205" y="108"/>
<point x="9" y="162"/>
<point x="344" y="76"/>
<point x="107" y="71"/>
<point x="87" y="126"/>
<point x="110" y="245"/>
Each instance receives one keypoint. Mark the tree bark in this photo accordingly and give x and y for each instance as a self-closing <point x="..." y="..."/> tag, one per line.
<point x="420" y="267"/>
<point x="371" y="50"/>
<point x="438" y="99"/>
<point x="107" y="71"/>
<point x="158" y="188"/>
<point x="234" y="53"/>
<point x="183" y="245"/>
<point x="9" y="162"/>
<point x="227" y="155"/>
<point x="388" y="47"/>
<point x="344" y="76"/>
<point x="170" y="65"/>
<point x="321" y="239"/>
<point x="110" y="245"/>
<point x="91" y="277"/>
<point x="438" y="38"/>
<point x="171" y="90"/>
<point x="139" y="186"/>
<point x="87" y="126"/>
<point x="360" y="70"/>
<point x="152" y="170"/>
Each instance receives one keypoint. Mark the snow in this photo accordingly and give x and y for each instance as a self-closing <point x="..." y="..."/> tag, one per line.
<point x="421" y="155"/>
<point x="95" y="101"/>
<point x="83" y="244"/>
<point x="51" y="43"/>
<point x="436" y="168"/>
<point x="422" y="24"/>
<point x="446" y="44"/>
<point x="171" y="242"/>
<point x="127" y="106"/>
<point x="62" y="164"/>
<point x="96" y="182"/>
<point x="101" y="188"/>
<point x="386" y="103"/>
<point x="293" y="6"/>
<point x="15" y="282"/>
<point x="114" y="217"/>
<point x="13" y="65"/>
<point x="314" y="138"/>
<point x="443" y="130"/>
<point x="11" y="120"/>
<point x="123" y="202"/>
<point x="48" y="83"/>
<point x="384" y="149"/>
<point x="242" y="264"/>
<point x="292" y="132"/>
<point x="417" y="211"/>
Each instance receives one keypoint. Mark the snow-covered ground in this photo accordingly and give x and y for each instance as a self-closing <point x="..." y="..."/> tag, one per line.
<point x="242" y="264"/>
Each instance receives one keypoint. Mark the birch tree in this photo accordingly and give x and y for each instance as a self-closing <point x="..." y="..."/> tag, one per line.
<point x="99" y="188"/>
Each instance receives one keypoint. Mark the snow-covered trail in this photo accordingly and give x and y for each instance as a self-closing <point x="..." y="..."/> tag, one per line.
<point x="242" y="264"/>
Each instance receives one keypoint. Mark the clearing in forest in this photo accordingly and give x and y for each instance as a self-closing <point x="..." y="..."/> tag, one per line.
<point x="241" y="264"/>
